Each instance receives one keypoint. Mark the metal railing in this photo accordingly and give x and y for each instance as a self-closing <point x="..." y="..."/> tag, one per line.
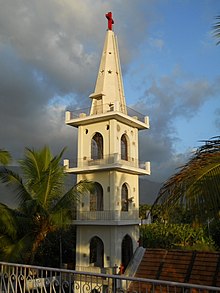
<point x="108" y="215"/>
<point x="17" y="278"/>
<point x="101" y="109"/>
<point x="106" y="160"/>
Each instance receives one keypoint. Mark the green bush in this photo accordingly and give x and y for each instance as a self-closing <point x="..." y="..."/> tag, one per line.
<point x="214" y="231"/>
<point x="175" y="236"/>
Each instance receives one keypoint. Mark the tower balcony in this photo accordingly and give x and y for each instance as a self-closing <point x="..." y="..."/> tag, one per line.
<point x="115" y="110"/>
<point x="109" y="217"/>
<point x="109" y="162"/>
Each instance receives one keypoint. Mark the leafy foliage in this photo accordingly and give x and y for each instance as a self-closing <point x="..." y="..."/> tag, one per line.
<point x="143" y="210"/>
<point x="196" y="187"/>
<point x="58" y="248"/>
<point x="214" y="230"/>
<point x="44" y="206"/>
<point x="216" y="29"/>
<point x="175" y="236"/>
<point x="5" y="157"/>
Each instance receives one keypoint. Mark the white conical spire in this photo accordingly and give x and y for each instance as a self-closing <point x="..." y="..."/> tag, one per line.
<point x="109" y="90"/>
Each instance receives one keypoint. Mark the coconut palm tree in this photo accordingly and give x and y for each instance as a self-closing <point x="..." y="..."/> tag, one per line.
<point x="196" y="187"/>
<point x="5" y="157"/>
<point x="44" y="205"/>
<point x="216" y="30"/>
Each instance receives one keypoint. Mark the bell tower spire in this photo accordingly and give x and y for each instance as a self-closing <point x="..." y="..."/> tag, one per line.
<point x="107" y="218"/>
<point x="109" y="89"/>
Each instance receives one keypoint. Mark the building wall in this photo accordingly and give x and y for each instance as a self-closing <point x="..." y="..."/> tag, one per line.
<point x="112" y="132"/>
<point x="112" y="239"/>
<point x="111" y="182"/>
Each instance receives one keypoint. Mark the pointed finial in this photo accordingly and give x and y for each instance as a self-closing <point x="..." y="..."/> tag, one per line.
<point x="110" y="20"/>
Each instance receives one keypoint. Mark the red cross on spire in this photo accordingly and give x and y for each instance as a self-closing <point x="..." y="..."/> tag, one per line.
<point x="110" y="20"/>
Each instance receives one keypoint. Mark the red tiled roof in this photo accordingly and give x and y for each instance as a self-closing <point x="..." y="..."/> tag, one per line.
<point x="195" y="267"/>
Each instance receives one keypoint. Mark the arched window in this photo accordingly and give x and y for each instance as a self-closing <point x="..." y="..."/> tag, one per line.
<point x="97" y="146"/>
<point x="96" y="198"/>
<point x="124" y="148"/>
<point x="124" y="198"/>
<point x="96" y="255"/>
<point x="126" y="250"/>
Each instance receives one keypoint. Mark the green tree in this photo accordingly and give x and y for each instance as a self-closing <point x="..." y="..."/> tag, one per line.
<point x="5" y="157"/>
<point x="195" y="188"/>
<point x="51" y="254"/>
<point x="175" y="236"/>
<point x="216" y="30"/>
<point x="143" y="210"/>
<point x="44" y="205"/>
<point x="213" y="228"/>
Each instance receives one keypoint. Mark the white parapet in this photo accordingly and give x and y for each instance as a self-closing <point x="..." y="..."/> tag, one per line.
<point x="147" y="167"/>
<point x="146" y="121"/>
<point x="67" y="116"/>
<point x="66" y="163"/>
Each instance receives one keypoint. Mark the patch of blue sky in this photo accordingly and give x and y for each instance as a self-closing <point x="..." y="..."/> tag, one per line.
<point x="62" y="100"/>
<point x="186" y="32"/>
<point x="200" y="127"/>
<point x="180" y="46"/>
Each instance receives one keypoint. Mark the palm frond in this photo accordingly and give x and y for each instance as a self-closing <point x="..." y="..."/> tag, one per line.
<point x="8" y="222"/>
<point x="5" y="157"/>
<point x="43" y="174"/>
<point x="52" y="183"/>
<point x="13" y="180"/>
<point x="74" y="194"/>
<point x="20" y="251"/>
<point x="196" y="185"/>
<point x="65" y="208"/>
<point x="216" y="30"/>
<point x="34" y="165"/>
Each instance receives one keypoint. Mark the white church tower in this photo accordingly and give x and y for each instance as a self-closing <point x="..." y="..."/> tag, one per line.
<point x="108" y="219"/>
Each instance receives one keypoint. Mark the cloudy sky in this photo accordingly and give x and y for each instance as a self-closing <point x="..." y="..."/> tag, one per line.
<point x="49" y="58"/>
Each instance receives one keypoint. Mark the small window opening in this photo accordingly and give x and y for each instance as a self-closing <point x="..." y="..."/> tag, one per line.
<point x="124" y="198"/>
<point x="124" y="148"/>
<point x="97" y="147"/>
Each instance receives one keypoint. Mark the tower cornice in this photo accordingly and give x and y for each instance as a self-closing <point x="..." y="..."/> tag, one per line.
<point x="83" y="119"/>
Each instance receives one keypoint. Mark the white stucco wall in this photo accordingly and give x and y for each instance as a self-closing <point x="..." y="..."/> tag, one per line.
<point x="112" y="239"/>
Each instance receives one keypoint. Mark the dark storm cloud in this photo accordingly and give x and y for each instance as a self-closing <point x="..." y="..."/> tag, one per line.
<point x="49" y="55"/>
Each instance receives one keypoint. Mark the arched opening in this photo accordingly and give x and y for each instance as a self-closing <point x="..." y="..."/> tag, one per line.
<point x="124" y="147"/>
<point x="124" y="198"/>
<point x="96" y="198"/>
<point x="97" y="147"/>
<point x="96" y="255"/>
<point x="126" y="251"/>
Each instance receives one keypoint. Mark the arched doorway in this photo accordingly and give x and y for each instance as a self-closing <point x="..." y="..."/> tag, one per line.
<point x="126" y="251"/>
<point x="96" y="255"/>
